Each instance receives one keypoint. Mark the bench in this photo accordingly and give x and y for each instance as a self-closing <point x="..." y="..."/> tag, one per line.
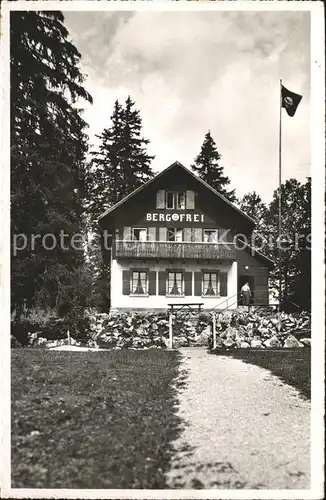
<point x="191" y="306"/>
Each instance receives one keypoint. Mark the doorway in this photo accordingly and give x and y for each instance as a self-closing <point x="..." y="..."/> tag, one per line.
<point x="241" y="281"/>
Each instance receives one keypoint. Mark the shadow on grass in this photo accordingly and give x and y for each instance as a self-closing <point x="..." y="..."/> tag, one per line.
<point x="94" y="420"/>
<point x="292" y="366"/>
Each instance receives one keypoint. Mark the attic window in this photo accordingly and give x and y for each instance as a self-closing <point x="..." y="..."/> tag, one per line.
<point x="170" y="199"/>
<point x="181" y="200"/>
<point x="176" y="200"/>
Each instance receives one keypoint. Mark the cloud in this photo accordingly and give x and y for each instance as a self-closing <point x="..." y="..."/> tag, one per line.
<point x="193" y="71"/>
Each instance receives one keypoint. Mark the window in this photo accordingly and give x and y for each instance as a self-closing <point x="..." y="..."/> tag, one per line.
<point x="175" y="234"/>
<point x="181" y="200"/>
<point x="176" y="200"/>
<point x="210" y="235"/>
<point x="170" y="199"/>
<point x="139" y="234"/>
<point x="139" y="283"/>
<point x="174" y="283"/>
<point x="211" y="284"/>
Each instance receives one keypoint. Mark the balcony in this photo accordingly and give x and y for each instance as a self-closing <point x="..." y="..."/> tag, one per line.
<point x="174" y="250"/>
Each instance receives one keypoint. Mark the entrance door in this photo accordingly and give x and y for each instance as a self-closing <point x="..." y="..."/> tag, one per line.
<point x="241" y="281"/>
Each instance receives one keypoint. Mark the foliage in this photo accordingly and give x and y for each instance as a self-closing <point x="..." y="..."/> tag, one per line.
<point x="38" y="323"/>
<point x="119" y="165"/>
<point x="98" y="260"/>
<point x="252" y="205"/>
<point x="48" y="324"/>
<point x="294" y="257"/>
<point x="93" y="420"/>
<point x="206" y="166"/>
<point x="48" y="147"/>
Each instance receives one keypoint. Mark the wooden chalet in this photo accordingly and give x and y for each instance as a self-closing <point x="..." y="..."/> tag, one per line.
<point x="175" y="240"/>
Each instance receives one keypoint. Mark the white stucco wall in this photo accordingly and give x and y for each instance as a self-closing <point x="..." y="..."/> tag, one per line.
<point x="120" y="301"/>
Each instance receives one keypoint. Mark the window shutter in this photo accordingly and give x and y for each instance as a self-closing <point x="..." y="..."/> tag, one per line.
<point x="162" y="283"/>
<point x="160" y="198"/>
<point x="197" y="284"/>
<point x="152" y="283"/>
<point x="187" y="233"/>
<point x="162" y="232"/>
<point x="223" y="284"/>
<point x="188" y="282"/>
<point x="125" y="282"/>
<point x="198" y="234"/>
<point x="151" y="233"/>
<point x="190" y="200"/>
<point x="126" y="233"/>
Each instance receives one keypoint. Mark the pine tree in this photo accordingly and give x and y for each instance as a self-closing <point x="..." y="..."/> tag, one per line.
<point x="252" y="205"/>
<point x="48" y="147"/>
<point x="206" y="166"/>
<point x="104" y="182"/>
<point x="135" y="161"/>
<point x="119" y="165"/>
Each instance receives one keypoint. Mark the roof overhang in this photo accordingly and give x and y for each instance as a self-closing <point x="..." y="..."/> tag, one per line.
<point x="259" y="256"/>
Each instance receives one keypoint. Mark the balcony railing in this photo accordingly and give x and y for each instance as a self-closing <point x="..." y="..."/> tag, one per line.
<point x="174" y="250"/>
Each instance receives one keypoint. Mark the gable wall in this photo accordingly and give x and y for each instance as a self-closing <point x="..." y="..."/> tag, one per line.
<point x="216" y="213"/>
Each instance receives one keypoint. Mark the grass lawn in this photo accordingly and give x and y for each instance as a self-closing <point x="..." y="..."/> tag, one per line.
<point x="290" y="365"/>
<point x="92" y="420"/>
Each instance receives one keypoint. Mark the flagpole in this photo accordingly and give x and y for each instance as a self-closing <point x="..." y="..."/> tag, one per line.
<point x="280" y="207"/>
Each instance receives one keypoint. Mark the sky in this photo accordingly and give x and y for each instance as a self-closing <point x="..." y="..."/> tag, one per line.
<point x="190" y="72"/>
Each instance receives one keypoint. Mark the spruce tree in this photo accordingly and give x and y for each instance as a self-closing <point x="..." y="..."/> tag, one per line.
<point x="119" y="165"/>
<point x="135" y="161"/>
<point x="206" y="166"/>
<point x="104" y="181"/>
<point x="48" y="148"/>
<point x="252" y="205"/>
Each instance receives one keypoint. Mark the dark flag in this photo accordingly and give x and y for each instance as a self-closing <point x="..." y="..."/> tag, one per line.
<point x="290" y="100"/>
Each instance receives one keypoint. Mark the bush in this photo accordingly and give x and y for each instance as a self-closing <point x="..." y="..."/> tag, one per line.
<point x="47" y="324"/>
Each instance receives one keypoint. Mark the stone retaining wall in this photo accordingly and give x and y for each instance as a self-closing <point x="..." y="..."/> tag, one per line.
<point x="237" y="329"/>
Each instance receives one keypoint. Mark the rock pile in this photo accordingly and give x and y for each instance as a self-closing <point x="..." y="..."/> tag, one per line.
<point x="260" y="329"/>
<point x="234" y="329"/>
<point x="130" y="330"/>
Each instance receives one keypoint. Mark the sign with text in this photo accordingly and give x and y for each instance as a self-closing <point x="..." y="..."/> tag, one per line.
<point x="175" y="217"/>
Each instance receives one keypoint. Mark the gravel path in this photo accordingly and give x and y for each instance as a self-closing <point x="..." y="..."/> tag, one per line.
<point x="244" y="428"/>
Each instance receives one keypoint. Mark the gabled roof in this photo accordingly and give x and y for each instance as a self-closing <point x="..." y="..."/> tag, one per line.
<point x="112" y="209"/>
